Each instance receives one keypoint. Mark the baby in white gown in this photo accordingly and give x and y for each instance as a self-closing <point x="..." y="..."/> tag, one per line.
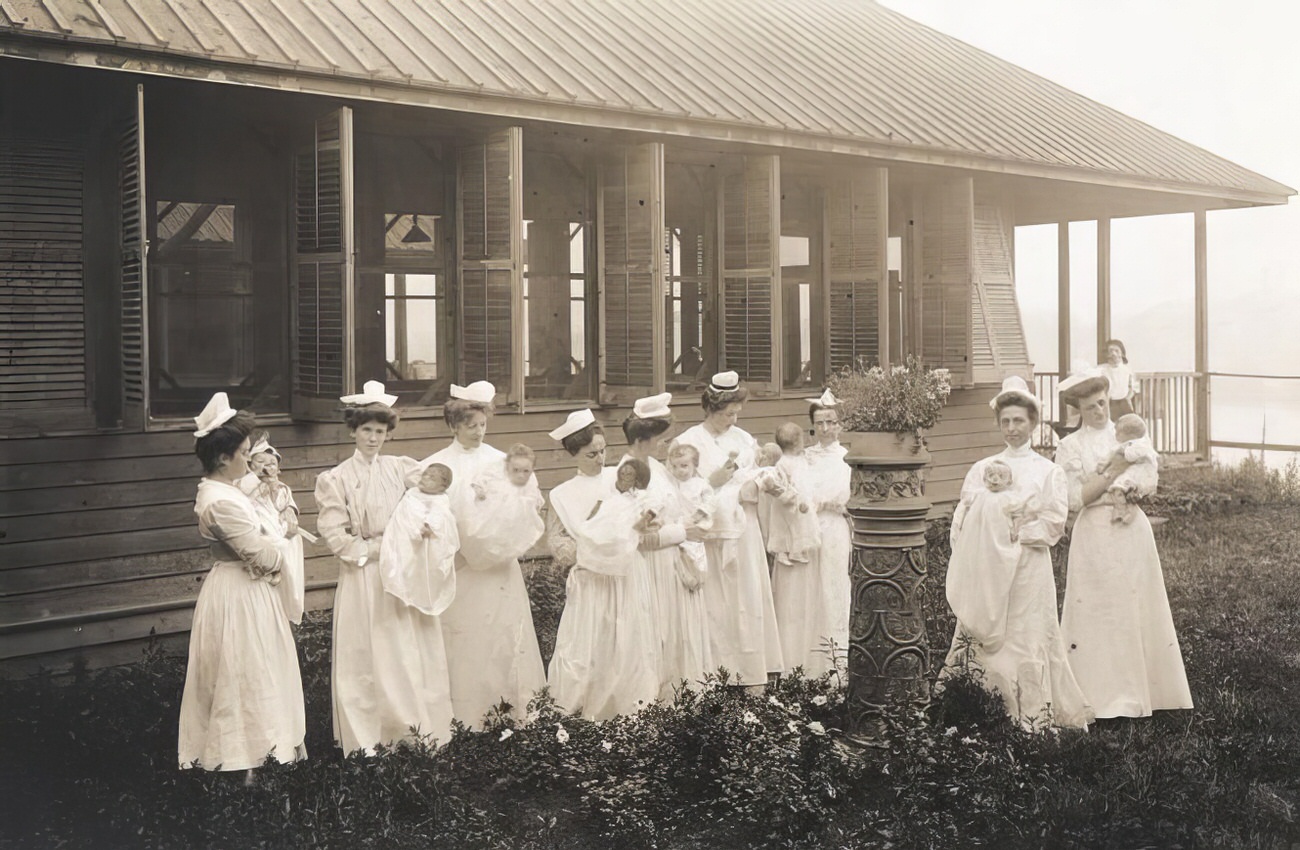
<point x="504" y="520"/>
<point x="699" y="504"/>
<point x="418" y="552"/>
<point x="1142" y="477"/>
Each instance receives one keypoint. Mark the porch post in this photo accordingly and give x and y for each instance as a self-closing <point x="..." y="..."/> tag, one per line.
<point x="1202" y="340"/>
<point x="1103" y="287"/>
<point x="882" y="247"/>
<point x="1063" y="298"/>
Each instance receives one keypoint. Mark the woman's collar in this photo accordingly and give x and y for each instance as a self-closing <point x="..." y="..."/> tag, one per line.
<point x="1019" y="451"/>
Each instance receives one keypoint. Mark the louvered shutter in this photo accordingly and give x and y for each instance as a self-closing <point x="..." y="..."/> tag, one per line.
<point x="324" y="266"/>
<point x="751" y="272"/>
<point x="489" y="179"/>
<point x="858" y="218"/>
<point x="135" y="275"/>
<point x="631" y="224"/>
<point x="999" y="346"/>
<point x="42" y="309"/>
<point x="947" y="282"/>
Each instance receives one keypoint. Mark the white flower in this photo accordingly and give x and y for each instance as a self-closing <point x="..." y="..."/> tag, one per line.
<point x="607" y="745"/>
<point x="506" y="733"/>
<point x="898" y="370"/>
<point x="820" y="699"/>
<point x="969" y="740"/>
<point x="749" y="717"/>
<point x="561" y="734"/>
<point x="532" y="716"/>
<point x="776" y="702"/>
<point x="950" y="731"/>
<point x="816" y="728"/>
<point x="792" y="726"/>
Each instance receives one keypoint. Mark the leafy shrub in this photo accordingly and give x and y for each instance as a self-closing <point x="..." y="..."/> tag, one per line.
<point x="907" y="397"/>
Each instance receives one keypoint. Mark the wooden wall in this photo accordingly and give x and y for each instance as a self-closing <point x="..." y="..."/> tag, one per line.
<point x="100" y="546"/>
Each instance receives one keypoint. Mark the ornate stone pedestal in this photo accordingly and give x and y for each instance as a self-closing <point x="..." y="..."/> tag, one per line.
<point x="888" y="649"/>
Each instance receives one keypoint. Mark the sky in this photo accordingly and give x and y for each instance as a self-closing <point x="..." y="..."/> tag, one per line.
<point x="1222" y="75"/>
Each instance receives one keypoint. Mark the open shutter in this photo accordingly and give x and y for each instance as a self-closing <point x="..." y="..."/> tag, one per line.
<point x="947" y="236"/>
<point x="999" y="347"/>
<point x="857" y="213"/>
<point x="490" y="217"/>
<point x="135" y="282"/>
<point x="751" y="272"/>
<point x="631" y="226"/>
<point x="324" y="366"/>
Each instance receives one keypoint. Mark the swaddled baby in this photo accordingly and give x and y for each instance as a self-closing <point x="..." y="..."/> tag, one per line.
<point x="418" y="554"/>
<point x="504" y="519"/>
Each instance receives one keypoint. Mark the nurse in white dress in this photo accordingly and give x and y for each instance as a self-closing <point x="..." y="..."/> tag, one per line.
<point x="738" y="592"/>
<point x="1116" y="619"/>
<point x="242" y="700"/>
<point x="389" y="670"/>
<point x="492" y="649"/>
<point x="679" y="615"/>
<point x="1029" y="666"/>
<point x="826" y="640"/>
<point x="606" y="649"/>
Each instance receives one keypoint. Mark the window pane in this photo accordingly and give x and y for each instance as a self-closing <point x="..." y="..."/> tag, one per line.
<point x="691" y="329"/>
<point x="216" y="319"/>
<point x="555" y="297"/>
<point x="417" y="332"/>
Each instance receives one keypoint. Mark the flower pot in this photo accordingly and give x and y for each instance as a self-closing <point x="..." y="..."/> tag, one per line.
<point x="888" y="647"/>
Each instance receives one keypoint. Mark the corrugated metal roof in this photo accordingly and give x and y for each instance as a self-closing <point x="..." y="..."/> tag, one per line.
<point x="811" y="69"/>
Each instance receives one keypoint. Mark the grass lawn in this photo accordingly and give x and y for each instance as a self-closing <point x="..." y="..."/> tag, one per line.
<point x="91" y="763"/>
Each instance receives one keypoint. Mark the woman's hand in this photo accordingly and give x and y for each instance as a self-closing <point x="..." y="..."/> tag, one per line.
<point x="694" y="533"/>
<point x="721" y="476"/>
<point x="1115" y="465"/>
<point x="291" y="526"/>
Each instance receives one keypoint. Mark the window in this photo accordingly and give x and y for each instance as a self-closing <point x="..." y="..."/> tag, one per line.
<point x="555" y="302"/>
<point x="212" y="328"/>
<point x="797" y="283"/>
<point x="690" y="333"/>
<point x="418" y="333"/>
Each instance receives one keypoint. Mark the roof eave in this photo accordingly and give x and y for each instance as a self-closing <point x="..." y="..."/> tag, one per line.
<point x="164" y="62"/>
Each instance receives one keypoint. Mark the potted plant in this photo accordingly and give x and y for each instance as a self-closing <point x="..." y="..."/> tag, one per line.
<point x="884" y="414"/>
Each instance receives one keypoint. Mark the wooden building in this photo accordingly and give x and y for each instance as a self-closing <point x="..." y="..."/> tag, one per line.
<point x="581" y="201"/>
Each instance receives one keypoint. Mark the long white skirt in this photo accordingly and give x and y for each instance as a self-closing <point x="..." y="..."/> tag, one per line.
<point x="605" y="660"/>
<point x="743" y="633"/>
<point x="389" y="671"/>
<point x="243" y="692"/>
<point x="491" y="645"/>
<point x="680" y="620"/>
<point x="1030" y="669"/>
<point x="812" y="602"/>
<point x="1116" y="619"/>
<point x="837" y="583"/>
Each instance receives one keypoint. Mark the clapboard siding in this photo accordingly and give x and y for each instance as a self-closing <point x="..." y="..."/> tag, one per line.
<point x="101" y="548"/>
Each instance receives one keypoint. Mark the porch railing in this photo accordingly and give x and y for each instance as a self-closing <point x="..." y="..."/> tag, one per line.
<point x="1166" y="400"/>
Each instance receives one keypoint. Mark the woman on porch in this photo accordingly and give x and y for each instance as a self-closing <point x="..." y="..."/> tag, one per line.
<point x="492" y="650"/>
<point x="1000" y="583"/>
<point x="242" y="700"/>
<point x="1116" y="620"/>
<point x="389" y="667"/>
<point x="738" y="591"/>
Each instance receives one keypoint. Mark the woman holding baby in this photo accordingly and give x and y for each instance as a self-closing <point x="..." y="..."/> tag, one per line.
<point x="743" y="634"/>
<point x="675" y="579"/>
<point x="1000" y="584"/>
<point x="606" y="659"/>
<point x="1116" y="619"/>
<point x="492" y="651"/>
<point x="389" y="667"/>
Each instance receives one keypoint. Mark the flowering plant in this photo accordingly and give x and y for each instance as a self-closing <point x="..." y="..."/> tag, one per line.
<point x="907" y="397"/>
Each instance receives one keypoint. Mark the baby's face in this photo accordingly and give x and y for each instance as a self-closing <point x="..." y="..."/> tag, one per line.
<point x="682" y="467"/>
<point x="997" y="479"/>
<point x="626" y="478"/>
<point x="264" y="466"/>
<point x="433" y="482"/>
<point x="519" y="469"/>
<point x="768" y="456"/>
